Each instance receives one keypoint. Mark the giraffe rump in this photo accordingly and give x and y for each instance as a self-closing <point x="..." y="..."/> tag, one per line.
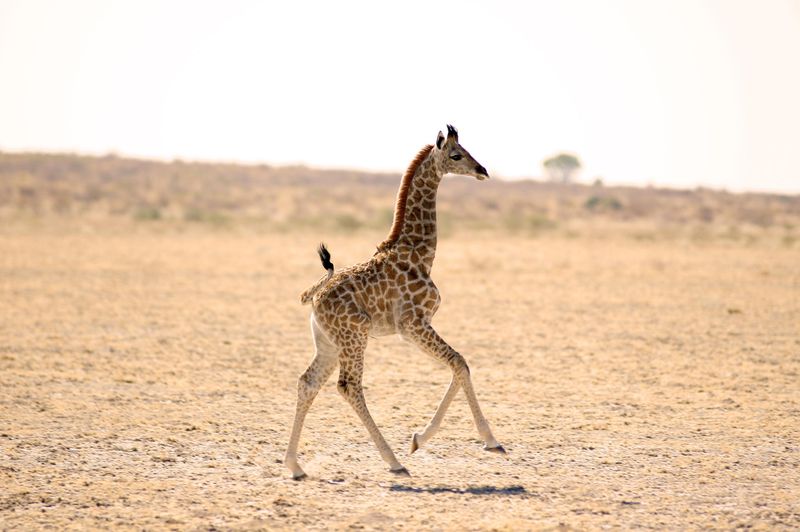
<point x="402" y="199"/>
<point x="325" y="258"/>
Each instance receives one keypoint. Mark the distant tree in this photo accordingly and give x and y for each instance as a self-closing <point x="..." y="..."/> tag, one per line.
<point x="561" y="168"/>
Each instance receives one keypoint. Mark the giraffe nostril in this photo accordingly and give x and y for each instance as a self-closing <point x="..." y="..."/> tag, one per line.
<point x="480" y="170"/>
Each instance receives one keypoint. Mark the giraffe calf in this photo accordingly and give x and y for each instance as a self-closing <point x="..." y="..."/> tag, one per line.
<point x="391" y="293"/>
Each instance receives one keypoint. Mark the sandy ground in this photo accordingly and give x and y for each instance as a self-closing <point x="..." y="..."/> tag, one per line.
<point x="147" y="381"/>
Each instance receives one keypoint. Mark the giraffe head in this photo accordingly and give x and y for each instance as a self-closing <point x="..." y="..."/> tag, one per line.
<point x="452" y="158"/>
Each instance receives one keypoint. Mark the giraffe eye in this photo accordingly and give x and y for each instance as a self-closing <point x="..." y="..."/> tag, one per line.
<point x="456" y="157"/>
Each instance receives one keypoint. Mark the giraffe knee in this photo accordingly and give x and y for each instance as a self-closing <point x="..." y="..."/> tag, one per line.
<point x="307" y="378"/>
<point x="306" y="385"/>
<point x="458" y="364"/>
<point x="347" y="387"/>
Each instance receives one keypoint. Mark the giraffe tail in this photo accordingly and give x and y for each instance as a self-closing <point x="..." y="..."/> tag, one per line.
<point x="325" y="257"/>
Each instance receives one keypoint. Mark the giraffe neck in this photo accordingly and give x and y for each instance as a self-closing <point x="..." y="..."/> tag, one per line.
<point x="419" y="224"/>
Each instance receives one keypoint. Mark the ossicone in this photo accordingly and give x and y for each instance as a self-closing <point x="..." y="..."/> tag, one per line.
<point x="452" y="132"/>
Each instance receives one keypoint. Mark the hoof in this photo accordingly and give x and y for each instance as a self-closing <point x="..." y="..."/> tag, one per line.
<point x="414" y="443"/>
<point x="301" y="476"/>
<point x="499" y="449"/>
<point x="402" y="472"/>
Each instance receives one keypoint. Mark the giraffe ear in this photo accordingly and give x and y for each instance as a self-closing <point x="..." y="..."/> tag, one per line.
<point x="440" y="140"/>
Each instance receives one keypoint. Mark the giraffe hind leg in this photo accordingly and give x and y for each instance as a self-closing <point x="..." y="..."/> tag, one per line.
<point x="308" y="385"/>
<point x="351" y="368"/>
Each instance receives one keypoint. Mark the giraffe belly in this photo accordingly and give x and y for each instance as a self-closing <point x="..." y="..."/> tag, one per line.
<point x="421" y="306"/>
<point x="382" y="324"/>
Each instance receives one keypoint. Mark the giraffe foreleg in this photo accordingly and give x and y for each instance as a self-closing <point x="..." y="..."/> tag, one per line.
<point x="419" y="439"/>
<point x="426" y="338"/>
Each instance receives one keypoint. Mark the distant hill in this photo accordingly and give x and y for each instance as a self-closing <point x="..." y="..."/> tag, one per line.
<point x="34" y="185"/>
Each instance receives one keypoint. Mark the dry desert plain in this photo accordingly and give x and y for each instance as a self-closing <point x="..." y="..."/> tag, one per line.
<point x="148" y="372"/>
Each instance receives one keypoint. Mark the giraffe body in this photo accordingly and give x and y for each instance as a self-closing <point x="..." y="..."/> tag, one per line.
<point x="392" y="293"/>
<point x="387" y="289"/>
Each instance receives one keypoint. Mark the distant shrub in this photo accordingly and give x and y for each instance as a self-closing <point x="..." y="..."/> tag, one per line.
<point x="516" y="221"/>
<point x="643" y="236"/>
<point x="706" y="214"/>
<point x="603" y="203"/>
<point x="490" y="204"/>
<point x="347" y="222"/>
<point x="592" y="202"/>
<point x="733" y="232"/>
<point x="205" y="216"/>
<point x="539" y="223"/>
<point x="445" y="225"/>
<point x="147" y="214"/>
<point x="383" y="218"/>
<point x="761" y="217"/>
<point x="513" y="221"/>
<point x="701" y="234"/>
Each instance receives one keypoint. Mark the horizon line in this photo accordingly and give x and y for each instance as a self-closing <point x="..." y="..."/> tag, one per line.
<point x="501" y="178"/>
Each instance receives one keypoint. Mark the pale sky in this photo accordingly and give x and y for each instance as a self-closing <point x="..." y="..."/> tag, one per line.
<point x="674" y="92"/>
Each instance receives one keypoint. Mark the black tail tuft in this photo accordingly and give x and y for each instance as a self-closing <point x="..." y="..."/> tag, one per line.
<point x="325" y="257"/>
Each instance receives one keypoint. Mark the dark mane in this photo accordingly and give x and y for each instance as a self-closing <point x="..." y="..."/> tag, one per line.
<point x="402" y="197"/>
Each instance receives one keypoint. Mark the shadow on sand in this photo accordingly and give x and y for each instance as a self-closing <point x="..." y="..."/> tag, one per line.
<point x="473" y="490"/>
